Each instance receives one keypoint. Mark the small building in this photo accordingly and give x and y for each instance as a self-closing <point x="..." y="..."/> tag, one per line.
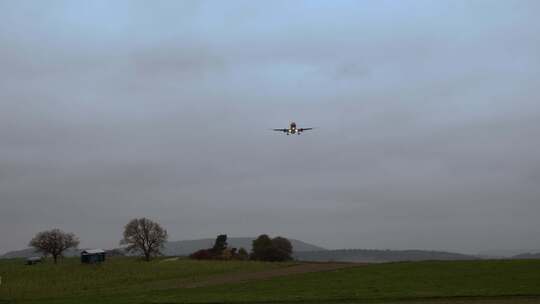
<point x="92" y="256"/>
<point x="33" y="260"/>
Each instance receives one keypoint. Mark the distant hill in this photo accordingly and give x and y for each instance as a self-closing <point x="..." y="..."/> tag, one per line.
<point x="506" y="253"/>
<point x="190" y="246"/>
<point x="30" y="252"/>
<point x="370" y="255"/>
<point x="179" y="248"/>
<point x="527" y="256"/>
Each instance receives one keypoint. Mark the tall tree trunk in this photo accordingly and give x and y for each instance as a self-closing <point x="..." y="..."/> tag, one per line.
<point x="55" y="257"/>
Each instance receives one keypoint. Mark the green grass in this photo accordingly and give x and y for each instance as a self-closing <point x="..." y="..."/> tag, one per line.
<point x="392" y="281"/>
<point x="127" y="280"/>
<point x="117" y="275"/>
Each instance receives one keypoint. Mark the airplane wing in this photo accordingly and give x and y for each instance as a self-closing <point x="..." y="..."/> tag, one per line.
<point x="281" y="130"/>
<point x="304" y="129"/>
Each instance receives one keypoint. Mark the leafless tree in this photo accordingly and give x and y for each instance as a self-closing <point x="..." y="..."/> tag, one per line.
<point x="144" y="236"/>
<point x="54" y="242"/>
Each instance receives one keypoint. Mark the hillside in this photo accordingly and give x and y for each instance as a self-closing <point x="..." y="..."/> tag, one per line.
<point x="30" y="252"/>
<point x="180" y="248"/>
<point x="302" y="251"/>
<point x="526" y="256"/>
<point x="370" y="255"/>
<point x="506" y="253"/>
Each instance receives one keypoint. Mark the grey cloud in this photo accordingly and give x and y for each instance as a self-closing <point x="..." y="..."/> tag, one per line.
<point x="426" y="116"/>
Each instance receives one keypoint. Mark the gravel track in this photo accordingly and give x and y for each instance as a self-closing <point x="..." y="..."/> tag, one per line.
<point x="267" y="274"/>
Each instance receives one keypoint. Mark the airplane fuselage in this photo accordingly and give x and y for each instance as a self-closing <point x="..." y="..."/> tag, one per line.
<point x="292" y="129"/>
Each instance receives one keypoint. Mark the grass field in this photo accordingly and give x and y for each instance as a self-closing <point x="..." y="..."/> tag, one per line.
<point x="128" y="280"/>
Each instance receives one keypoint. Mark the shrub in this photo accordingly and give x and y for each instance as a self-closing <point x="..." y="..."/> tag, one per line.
<point x="274" y="250"/>
<point x="203" y="254"/>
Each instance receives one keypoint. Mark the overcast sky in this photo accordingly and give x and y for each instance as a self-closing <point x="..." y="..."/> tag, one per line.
<point x="427" y="116"/>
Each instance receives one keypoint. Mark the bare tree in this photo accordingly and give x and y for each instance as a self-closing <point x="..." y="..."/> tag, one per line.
<point x="54" y="242"/>
<point x="144" y="236"/>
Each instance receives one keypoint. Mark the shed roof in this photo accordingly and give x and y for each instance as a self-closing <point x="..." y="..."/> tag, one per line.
<point x="33" y="259"/>
<point x="93" y="251"/>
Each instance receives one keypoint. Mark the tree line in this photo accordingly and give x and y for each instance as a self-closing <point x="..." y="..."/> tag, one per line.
<point x="264" y="248"/>
<point x="147" y="238"/>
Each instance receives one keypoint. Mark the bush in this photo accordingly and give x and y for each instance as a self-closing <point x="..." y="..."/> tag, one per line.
<point x="242" y="254"/>
<point x="273" y="250"/>
<point x="203" y="254"/>
<point x="219" y="251"/>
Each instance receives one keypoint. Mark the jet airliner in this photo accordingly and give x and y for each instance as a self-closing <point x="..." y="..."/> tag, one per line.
<point x="293" y="129"/>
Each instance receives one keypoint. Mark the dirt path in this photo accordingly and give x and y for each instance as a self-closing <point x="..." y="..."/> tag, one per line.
<point x="472" y="300"/>
<point x="267" y="274"/>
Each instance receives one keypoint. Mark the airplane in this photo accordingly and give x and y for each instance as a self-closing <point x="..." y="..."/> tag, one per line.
<point x="293" y="129"/>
